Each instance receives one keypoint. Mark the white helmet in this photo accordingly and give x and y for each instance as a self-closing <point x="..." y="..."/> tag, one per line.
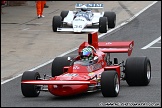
<point x="84" y="8"/>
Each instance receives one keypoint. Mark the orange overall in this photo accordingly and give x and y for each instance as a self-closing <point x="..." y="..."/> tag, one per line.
<point x="40" y="7"/>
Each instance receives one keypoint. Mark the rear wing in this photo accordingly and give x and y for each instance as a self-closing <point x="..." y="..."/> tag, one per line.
<point x="90" y="6"/>
<point x="108" y="47"/>
<point x="116" y="47"/>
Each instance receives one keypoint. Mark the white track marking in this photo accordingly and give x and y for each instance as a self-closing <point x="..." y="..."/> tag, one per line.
<point x="153" y="42"/>
<point x="3" y="82"/>
<point x="11" y="79"/>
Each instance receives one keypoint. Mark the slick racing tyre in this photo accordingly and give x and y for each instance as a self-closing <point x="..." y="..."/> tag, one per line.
<point x="111" y="17"/>
<point x="64" y="14"/>
<point x="110" y="83"/>
<point x="30" y="90"/>
<point x="103" y="24"/>
<point x="56" y="22"/>
<point x="58" y="65"/>
<point x="138" y="71"/>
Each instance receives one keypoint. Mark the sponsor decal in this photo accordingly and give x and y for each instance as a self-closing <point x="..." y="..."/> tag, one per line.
<point x="131" y="46"/>
<point x="108" y="43"/>
<point x="102" y="63"/>
<point x="91" y="74"/>
<point x="55" y="86"/>
<point x="76" y="67"/>
<point x="69" y="74"/>
<point x="90" y="5"/>
<point x="79" y="19"/>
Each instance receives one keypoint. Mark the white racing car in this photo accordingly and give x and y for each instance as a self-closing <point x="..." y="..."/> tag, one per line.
<point x="85" y="18"/>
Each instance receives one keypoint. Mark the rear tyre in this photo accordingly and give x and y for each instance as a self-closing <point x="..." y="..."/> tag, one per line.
<point x="30" y="90"/>
<point x="64" y="14"/>
<point x="58" y="65"/>
<point x="110" y="84"/>
<point x="103" y="24"/>
<point x="138" y="71"/>
<point x="111" y="18"/>
<point x="56" y="22"/>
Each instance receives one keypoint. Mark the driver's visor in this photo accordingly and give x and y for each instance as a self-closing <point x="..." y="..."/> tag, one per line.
<point x="85" y="53"/>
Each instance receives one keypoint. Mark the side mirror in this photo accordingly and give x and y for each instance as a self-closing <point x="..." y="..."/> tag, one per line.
<point x="69" y="59"/>
<point x="95" y="58"/>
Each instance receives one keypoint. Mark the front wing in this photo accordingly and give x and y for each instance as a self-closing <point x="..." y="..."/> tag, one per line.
<point x="71" y="29"/>
<point x="54" y="82"/>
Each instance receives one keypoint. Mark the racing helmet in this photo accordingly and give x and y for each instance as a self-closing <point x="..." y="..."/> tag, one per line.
<point x="84" y="8"/>
<point x="86" y="54"/>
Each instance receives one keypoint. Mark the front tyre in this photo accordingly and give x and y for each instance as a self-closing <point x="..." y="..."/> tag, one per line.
<point x="56" y="22"/>
<point x="30" y="90"/>
<point x="138" y="71"/>
<point x="110" y="83"/>
<point x="103" y="24"/>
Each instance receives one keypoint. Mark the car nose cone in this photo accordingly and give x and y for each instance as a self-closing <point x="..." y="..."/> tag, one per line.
<point x="79" y="24"/>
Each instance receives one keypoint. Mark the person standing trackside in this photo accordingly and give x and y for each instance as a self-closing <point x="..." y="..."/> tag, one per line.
<point x="40" y="8"/>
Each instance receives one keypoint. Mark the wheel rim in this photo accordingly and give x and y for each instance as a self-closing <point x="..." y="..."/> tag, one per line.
<point x="116" y="84"/>
<point x="37" y="88"/>
<point x="148" y="72"/>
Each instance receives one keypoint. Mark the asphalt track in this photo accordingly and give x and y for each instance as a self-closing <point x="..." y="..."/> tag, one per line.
<point x="144" y="29"/>
<point x="29" y="42"/>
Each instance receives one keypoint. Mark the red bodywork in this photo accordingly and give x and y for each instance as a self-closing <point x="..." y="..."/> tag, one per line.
<point x="78" y="78"/>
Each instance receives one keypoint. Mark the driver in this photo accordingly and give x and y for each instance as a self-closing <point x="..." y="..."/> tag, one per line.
<point x="87" y="13"/>
<point x="84" y="8"/>
<point x="87" y="53"/>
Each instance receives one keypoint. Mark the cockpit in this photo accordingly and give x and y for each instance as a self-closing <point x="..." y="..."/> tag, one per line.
<point x="84" y="63"/>
<point x="86" y="15"/>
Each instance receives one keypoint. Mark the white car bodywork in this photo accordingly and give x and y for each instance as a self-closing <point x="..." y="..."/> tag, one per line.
<point x="80" y="23"/>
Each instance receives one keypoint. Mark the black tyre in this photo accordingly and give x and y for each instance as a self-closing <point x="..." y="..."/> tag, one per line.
<point x="64" y="14"/>
<point x="110" y="84"/>
<point x="111" y="17"/>
<point x="30" y="90"/>
<point x="58" y="65"/>
<point x="56" y="22"/>
<point x="138" y="71"/>
<point x="103" y="24"/>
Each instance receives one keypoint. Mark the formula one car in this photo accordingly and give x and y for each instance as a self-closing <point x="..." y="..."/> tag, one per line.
<point x="70" y="75"/>
<point x="84" y="19"/>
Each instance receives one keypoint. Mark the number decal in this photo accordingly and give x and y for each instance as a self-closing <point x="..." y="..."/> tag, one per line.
<point x="77" y="26"/>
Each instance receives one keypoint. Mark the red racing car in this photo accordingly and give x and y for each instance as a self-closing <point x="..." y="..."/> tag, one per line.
<point x="89" y="71"/>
